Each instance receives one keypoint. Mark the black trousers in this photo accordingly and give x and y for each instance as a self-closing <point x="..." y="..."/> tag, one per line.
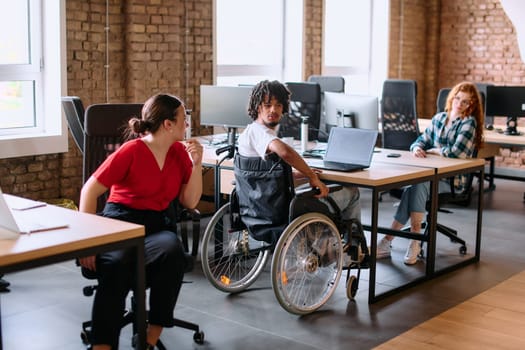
<point x="165" y="266"/>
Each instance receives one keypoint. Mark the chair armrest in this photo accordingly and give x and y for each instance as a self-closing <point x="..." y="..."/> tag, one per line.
<point x="194" y="216"/>
<point x="310" y="192"/>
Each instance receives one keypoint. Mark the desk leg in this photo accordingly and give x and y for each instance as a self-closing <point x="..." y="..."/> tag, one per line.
<point x="1" y="342"/>
<point x="140" y="295"/>
<point x="491" y="175"/>
<point x="431" y="243"/>
<point x="480" y="215"/>
<point x="373" y="247"/>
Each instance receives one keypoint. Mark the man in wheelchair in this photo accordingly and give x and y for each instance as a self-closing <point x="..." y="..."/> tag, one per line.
<point x="268" y="102"/>
<point x="266" y="213"/>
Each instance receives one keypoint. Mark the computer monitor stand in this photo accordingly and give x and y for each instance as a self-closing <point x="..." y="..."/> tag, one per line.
<point x="512" y="129"/>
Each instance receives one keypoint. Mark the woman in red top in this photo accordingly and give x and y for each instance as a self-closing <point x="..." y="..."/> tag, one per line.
<point x="144" y="175"/>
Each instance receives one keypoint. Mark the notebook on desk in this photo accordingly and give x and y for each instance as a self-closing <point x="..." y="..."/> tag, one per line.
<point x="15" y="222"/>
<point x="348" y="149"/>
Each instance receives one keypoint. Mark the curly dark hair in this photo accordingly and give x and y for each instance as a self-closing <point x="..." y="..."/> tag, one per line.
<point x="264" y="91"/>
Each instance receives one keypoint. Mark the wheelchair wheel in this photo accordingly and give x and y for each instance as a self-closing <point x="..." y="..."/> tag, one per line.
<point x="351" y="287"/>
<point x="307" y="263"/>
<point x="226" y="262"/>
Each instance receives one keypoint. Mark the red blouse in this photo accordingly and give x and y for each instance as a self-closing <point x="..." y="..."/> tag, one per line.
<point x="135" y="179"/>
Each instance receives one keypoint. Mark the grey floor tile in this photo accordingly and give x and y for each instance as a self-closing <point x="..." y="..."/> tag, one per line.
<point x="45" y="307"/>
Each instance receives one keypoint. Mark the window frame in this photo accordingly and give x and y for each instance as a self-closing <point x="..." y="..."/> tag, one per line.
<point x="47" y="69"/>
<point x="286" y="70"/>
<point x="376" y="70"/>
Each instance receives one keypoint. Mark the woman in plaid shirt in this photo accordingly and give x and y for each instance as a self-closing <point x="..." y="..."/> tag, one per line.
<point x="455" y="133"/>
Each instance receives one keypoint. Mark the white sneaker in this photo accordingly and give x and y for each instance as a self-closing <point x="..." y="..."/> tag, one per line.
<point x="383" y="249"/>
<point x="413" y="250"/>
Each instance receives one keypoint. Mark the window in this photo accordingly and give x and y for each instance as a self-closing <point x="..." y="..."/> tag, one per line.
<point x="30" y="78"/>
<point x="356" y="42"/>
<point x="257" y="40"/>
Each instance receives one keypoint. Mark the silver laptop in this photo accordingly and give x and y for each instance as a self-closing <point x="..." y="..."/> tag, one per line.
<point x="15" y="222"/>
<point x="348" y="149"/>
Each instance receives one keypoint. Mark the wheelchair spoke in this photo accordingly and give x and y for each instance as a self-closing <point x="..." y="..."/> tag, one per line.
<point x="227" y="260"/>
<point x="308" y="265"/>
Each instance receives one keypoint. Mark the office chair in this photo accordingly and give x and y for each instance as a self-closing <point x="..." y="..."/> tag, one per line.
<point x="461" y="198"/>
<point x="399" y="114"/>
<point x="305" y="100"/>
<point x="398" y="117"/>
<point x="330" y="83"/>
<point x="74" y="110"/>
<point x="104" y="124"/>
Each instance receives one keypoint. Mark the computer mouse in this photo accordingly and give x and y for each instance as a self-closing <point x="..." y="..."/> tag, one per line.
<point x="489" y="127"/>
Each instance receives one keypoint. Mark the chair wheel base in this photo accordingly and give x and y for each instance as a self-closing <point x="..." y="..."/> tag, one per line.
<point x="198" y="337"/>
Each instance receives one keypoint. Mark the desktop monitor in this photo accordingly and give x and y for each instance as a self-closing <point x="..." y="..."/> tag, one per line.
<point x="506" y="101"/>
<point x="225" y="106"/>
<point x="358" y="111"/>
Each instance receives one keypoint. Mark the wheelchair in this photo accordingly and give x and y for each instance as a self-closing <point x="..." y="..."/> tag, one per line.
<point x="307" y="254"/>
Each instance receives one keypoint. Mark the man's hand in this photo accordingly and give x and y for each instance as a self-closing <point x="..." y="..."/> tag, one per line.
<point x="317" y="183"/>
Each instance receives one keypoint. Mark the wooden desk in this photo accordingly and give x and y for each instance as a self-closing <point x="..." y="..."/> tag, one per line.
<point x="382" y="177"/>
<point x="442" y="165"/>
<point x="493" y="136"/>
<point x="387" y="173"/>
<point x="86" y="235"/>
<point x="379" y="177"/>
<point x="444" y="168"/>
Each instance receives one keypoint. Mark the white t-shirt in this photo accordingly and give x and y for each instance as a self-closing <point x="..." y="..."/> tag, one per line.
<point x="254" y="140"/>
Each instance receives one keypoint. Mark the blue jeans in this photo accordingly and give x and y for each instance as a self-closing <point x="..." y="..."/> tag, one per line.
<point x="414" y="199"/>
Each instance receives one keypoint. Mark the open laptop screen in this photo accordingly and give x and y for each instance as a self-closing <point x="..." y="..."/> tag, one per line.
<point x="351" y="145"/>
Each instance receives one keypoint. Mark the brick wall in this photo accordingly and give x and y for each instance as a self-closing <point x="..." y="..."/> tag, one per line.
<point x="312" y="37"/>
<point x="413" y="51"/>
<point x="442" y="42"/>
<point x="166" y="45"/>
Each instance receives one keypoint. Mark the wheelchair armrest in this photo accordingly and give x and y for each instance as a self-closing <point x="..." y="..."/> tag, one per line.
<point x="310" y="192"/>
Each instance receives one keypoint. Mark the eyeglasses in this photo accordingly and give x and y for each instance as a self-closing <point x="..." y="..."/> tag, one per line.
<point x="463" y="103"/>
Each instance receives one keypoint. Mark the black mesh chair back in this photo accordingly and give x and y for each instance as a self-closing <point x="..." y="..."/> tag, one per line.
<point x="305" y="100"/>
<point x="482" y="88"/>
<point x="332" y="83"/>
<point x="104" y="124"/>
<point x="74" y="110"/>
<point x="399" y="114"/>
<point x="441" y="100"/>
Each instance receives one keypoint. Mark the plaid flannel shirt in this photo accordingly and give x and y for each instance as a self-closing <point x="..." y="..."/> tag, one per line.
<point x="455" y="142"/>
